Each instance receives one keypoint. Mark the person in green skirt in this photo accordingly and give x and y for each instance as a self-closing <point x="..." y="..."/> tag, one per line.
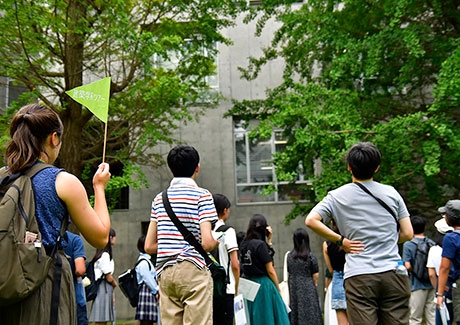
<point x="257" y="265"/>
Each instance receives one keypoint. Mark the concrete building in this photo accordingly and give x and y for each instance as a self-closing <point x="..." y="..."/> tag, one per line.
<point x="218" y="141"/>
<point x="231" y="164"/>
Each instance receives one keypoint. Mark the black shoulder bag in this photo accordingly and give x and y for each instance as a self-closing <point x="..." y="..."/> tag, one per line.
<point x="217" y="271"/>
<point x="382" y="203"/>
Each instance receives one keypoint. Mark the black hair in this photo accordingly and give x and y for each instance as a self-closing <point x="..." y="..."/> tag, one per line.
<point x="221" y="203"/>
<point x="240" y="235"/>
<point x="107" y="248"/>
<point x="418" y="224"/>
<point x="363" y="159"/>
<point x="183" y="160"/>
<point x="141" y="244"/>
<point x="257" y="228"/>
<point x="301" y="244"/>
<point x="452" y="221"/>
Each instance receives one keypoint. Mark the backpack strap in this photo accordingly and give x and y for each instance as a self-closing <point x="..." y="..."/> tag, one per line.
<point x="55" y="296"/>
<point x="223" y="228"/>
<point x="144" y="259"/>
<point x="57" y="275"/>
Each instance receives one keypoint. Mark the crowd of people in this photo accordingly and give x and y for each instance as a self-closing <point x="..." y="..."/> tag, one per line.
<point x="363" y="224"/>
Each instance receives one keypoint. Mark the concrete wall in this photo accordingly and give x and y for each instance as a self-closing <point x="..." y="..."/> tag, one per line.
<point x="212" y="136"/>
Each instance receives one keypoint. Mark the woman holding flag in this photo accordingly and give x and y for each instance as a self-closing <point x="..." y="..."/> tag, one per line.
<point x="36" y="138"/>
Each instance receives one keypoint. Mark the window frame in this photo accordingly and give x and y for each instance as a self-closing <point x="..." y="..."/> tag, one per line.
<point x="257" y="197"/>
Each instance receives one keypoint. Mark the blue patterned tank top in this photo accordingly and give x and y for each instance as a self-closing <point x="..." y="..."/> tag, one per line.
<point x="50" y="209"/>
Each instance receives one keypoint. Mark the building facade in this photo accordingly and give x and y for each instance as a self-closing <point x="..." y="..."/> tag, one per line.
<point x="228" y="165"/>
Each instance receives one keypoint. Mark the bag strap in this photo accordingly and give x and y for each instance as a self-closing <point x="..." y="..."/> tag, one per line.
<point x="143" y="259"/>
<point x="188" y="236"/>
<point x="382" y="203"/>
<point x="31" y="172"/>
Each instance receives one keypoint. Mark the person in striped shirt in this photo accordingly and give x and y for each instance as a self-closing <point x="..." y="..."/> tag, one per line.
<point x="186" y="285"/>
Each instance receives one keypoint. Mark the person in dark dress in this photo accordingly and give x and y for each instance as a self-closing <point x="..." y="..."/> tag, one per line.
<point x="303" y="279"/>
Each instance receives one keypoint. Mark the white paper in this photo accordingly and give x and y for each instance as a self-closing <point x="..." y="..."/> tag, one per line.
<point x="248" y="288"/>
<point x="444" y="314"/>
<point x="240" y="313"/>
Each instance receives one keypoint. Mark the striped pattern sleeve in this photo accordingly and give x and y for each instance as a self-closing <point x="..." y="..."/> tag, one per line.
<point x="192" y="205"/>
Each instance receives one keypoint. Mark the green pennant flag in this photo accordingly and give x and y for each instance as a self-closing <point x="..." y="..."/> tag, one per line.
<point x="94" y="96"/>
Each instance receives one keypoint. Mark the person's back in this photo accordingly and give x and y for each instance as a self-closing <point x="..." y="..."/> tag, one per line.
<point x="147" y="306"/>
<point x="362" y="218"/>
<point x="369" y="236"/>
<point x="421" y="301"/>
<point x="449" y="271"/>
<point x="185" y="283"/>
<point x="73" y="246"/>
<point x="36" y="137"/>
<point x="223" y="309"/>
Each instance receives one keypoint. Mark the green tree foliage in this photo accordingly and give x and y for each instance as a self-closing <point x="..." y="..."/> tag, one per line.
<point x="385" y="71"/>
<point x="158" y="54"/>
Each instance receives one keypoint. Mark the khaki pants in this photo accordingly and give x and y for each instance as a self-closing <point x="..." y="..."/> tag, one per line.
<point x="186" y="295"/>
<point x="422" y="302"/>
<point x="381" y="298"/>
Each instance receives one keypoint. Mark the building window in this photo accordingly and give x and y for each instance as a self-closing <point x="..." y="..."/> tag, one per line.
<point x="208" y="94"/>
<point x="10" y="90"/>
<point x="255" y="171"/>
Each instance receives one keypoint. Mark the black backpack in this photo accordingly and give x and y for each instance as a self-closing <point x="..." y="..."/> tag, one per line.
<point x="128" y="283"/>
<point x="93" y="286"/>
<point x="419" y="269"/>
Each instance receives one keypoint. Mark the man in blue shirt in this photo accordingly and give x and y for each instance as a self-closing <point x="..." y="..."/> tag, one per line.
<point x="449" y="269"/>
<point x="73" y="247"/>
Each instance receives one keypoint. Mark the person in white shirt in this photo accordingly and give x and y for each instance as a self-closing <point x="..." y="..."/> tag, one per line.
<point x="223" y="312"/>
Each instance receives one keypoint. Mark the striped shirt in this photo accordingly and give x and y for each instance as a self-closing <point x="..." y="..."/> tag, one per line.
<point x="192" y="205"/>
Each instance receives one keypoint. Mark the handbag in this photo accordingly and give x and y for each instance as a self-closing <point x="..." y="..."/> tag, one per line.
<point x="217" y="271"/>
<point x="284" y="285"/>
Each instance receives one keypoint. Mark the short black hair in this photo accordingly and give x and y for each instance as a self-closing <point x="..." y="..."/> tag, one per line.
<point x="221" y="202"/>
<point x="183" y="160"/>
<point x="452" y="221"/>
<point x="141" y="244"/>
<point x="418" y="224"/>
<point x="363" y="159"/>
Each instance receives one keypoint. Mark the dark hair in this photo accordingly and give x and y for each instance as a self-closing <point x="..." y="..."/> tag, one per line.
<point x="240" y="235"/>
<point x="363" y="159"/>
<point x="418" y="224"/>
<point x="301" y="244"/>
<point x="29" y="129"/>
<point x="107" y="248"/>
<point x="452" y="221"/>
<point x="183" y="160"/>
<point x="257" y="228"/>
<point x="141" y="244"/>
<point x="221" y="203"/>
<point x="439" y="239"/>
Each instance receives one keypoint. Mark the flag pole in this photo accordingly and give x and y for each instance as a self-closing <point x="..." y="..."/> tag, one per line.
<point x="105" y="143"/>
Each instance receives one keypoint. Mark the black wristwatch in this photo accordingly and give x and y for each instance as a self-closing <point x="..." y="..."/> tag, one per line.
<point x="340" y="241"/>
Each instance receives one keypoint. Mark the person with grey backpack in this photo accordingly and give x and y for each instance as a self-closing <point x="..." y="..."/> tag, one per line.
<point x="415" y="255"/>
